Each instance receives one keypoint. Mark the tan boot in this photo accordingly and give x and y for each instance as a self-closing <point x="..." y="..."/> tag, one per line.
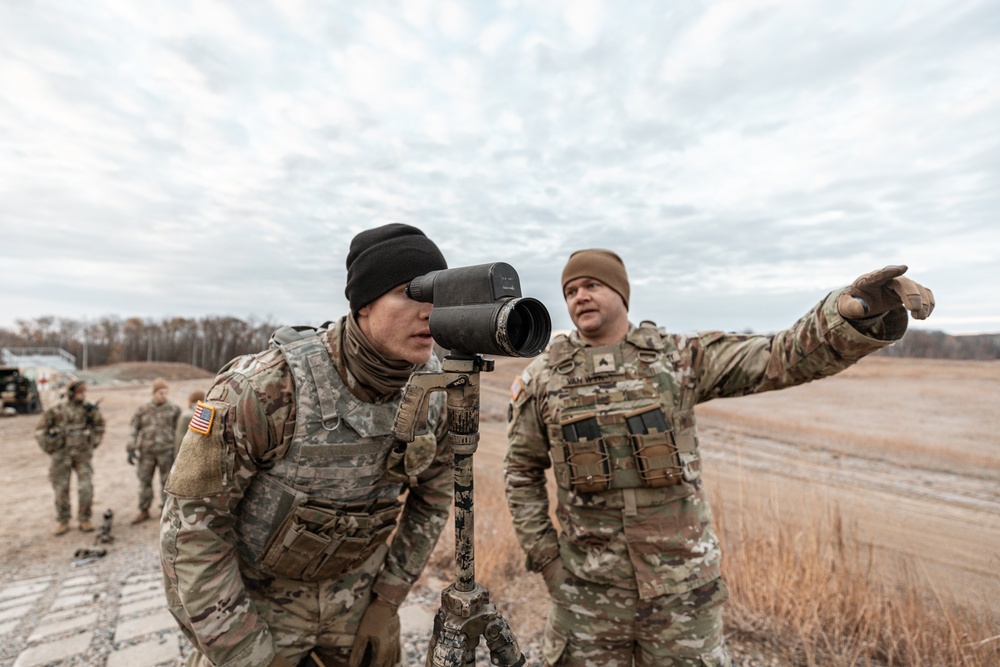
<point x="86" y="526"/>
<point x="61" y="528"/>
<point x="143" y="515"/>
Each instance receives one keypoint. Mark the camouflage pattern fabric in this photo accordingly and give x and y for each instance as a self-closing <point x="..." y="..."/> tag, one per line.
<point x="655" y="541"/>
<point x="591" y="625"/>
<point x="69" y="432"/>
<point x="181" y="429"/>
<point x="234" y="611"/>
<point x="152" y="436"/>
<point x="286" y="604"/>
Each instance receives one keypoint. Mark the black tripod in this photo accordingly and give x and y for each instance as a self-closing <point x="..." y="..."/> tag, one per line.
<point x="466" y="613"/>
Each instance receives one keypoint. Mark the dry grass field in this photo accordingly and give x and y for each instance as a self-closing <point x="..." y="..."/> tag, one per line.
<point x="860" y="514"/>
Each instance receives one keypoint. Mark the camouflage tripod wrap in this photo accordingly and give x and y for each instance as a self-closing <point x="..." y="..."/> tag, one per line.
<point x="466" y="613"/>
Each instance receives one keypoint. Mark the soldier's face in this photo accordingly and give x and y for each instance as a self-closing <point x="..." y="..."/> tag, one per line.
<point x="159" y="396"/>
<point x="597" y="311"/>
<point x="79" y="395"/>
<point x="398" y="327"/>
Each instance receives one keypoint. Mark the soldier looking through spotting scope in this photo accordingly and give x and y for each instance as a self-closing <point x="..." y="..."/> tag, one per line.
<point x="275" y="539"/>
<point x="634" y="574"/>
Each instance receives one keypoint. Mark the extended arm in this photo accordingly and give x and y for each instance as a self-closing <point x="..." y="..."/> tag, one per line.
<point x="847" y="325"/>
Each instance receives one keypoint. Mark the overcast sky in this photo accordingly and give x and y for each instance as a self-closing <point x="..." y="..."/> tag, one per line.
<point x="212" y="158"/>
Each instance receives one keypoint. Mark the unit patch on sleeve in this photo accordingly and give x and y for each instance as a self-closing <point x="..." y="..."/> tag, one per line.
<point x="202" y="420"/>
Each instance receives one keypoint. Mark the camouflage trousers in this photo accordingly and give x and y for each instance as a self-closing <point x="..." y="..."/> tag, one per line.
<point x="321" y="617"/>
<point x="149" y="462"/>
<point x="61" y="468"/>
<point x="591" y="625"/>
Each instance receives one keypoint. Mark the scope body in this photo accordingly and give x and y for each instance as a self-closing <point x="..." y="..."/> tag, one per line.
<point x="479" y="310"/>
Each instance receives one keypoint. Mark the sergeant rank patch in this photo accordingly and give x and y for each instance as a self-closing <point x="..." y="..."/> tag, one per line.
<point x="202" y="420"/>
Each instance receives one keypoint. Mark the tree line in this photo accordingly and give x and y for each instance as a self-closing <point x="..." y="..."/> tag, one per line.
<point x="939" y="345"/>
<point x="210" y="342"/>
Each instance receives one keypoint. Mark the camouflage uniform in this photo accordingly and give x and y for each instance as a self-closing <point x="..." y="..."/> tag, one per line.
<point x="278" y="543"/>
<point x="69" y="432"/>
<point x="181" y="429"/>
<point x="640" y="579"/>
<point x="152" y="436"/>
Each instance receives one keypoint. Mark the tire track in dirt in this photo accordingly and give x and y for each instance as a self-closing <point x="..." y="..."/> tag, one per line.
<point x="941" y="527"/>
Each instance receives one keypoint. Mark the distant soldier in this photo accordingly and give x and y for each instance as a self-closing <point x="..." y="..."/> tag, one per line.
<point x="151" y="443"/>
<point x="185" y="419"/>
<point x="69" y="432"/>
<point x="634" y="570"/>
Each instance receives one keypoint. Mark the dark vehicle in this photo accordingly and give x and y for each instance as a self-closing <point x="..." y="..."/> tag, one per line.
<point x="18" y="392"/>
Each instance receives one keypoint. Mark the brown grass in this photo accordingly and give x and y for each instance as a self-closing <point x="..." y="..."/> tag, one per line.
<point x="811" y="596"/>
<point x="821" y="597"/>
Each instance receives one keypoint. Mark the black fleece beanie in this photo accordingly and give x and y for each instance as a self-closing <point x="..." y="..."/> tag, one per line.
<point x="385" y="257"/>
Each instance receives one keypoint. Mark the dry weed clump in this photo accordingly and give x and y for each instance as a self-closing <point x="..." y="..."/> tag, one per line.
<point x="821" y="598"/>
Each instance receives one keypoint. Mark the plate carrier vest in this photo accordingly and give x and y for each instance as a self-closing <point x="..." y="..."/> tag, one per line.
<point x="328" y="503"/>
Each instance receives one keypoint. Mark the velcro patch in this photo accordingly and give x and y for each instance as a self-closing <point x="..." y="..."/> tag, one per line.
<point x="604" y="363"/>
<point x="202" y="420"/>
<point x="516" y="388"/>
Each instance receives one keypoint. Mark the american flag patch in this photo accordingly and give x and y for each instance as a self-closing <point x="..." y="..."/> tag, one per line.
<point x="202" y="420"/>
<point x="516" y="388"/>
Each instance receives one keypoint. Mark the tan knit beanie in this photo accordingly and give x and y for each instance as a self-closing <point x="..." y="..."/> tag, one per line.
<point x="603" y="265"/>
<point x="158" y="384"/>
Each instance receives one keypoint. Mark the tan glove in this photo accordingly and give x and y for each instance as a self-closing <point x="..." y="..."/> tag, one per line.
<point x="280" y="661"/>
<point x="379" y="629"/>
<point x="554" y="574"/>
<point x="880" y="291"/>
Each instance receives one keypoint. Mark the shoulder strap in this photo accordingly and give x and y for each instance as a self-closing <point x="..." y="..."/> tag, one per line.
<point x="647" y="336"/>
<point x="308" y="355"/>
<point x="291" y="334"/>
<point x="560" y="351"/>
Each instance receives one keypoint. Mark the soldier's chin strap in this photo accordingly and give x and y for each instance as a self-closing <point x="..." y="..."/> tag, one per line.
<point x="466" y="613"/>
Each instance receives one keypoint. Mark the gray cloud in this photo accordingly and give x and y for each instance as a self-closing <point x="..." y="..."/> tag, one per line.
<point x="744" y="158"/>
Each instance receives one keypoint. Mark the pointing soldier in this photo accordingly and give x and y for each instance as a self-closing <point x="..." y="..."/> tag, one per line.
<point x="275" y="540"/>
<point x="69" y="432"/>
<point x="151" y="444"/>
<point x="634" y="575"/>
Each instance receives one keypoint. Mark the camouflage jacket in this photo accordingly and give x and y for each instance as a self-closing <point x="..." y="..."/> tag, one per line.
<point x="152" y="427"/>
<point x="74" y="427"/>
<point x="182" y="428"/>
<point x="205" y="531"/>
<point x="628" y="534"/>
